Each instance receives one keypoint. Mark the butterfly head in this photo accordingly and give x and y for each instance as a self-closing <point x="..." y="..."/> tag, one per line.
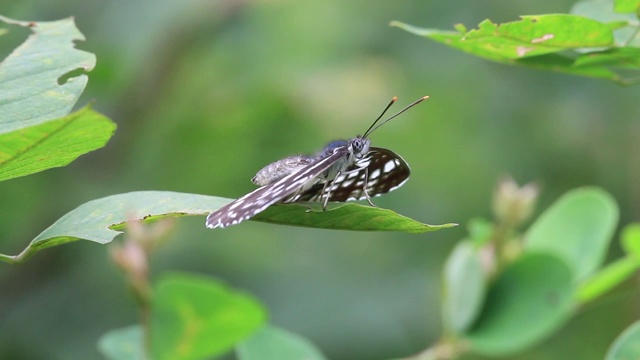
<point x="359" y="146"/>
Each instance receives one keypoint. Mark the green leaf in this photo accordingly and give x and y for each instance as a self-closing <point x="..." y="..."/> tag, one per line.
<point x="123" y="344"/>
<point x="195" y="317"/>
<point x="556" y="42"/>
<point x="623" y="58"/>
<point x="531" y="36"/>
<point x="348" y="216"/>
<point x="480" y="231"/>
<point x="616" y="272"/>
<point x="602" y="11"/>
<point x="527" y="303"/>
<point x="627" y="6"/>
<point x="631" y="239"/>
<point x="604" y="280"/>
<point x="464" y="287"/>
<point x="30" y="92"/>
<point x="627" y="345"/>
<point x="273" y="343"/>
<point x="577" y="228"/>
<point x="103" y="219"/>
<point x="52" y="144"/>
<point x="563" y="64"/>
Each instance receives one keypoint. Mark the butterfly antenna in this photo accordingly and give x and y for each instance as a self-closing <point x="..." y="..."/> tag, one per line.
<point x="393" y="100"/>
<point x="372" y="128"/>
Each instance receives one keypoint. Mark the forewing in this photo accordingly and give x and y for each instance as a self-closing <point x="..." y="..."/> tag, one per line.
<point x="258" y="200"/>
<point x="387" y="171"/>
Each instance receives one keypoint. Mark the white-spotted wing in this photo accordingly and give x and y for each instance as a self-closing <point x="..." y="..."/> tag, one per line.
<point x="258" y="200"/>
<point x="378" y="172"/>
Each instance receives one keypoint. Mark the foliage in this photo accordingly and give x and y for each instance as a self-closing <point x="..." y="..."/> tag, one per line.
<point x="593" y="41"/>
<point x="533" y="286"/>
<point x="506" y="290"/>
<point x="187" y="311"/>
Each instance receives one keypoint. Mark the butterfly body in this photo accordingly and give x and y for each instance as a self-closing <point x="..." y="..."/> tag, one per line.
<point x="341" y="171"/>
<point x="281" y="168"/>
<point x="385" y="172"/>
<point x="353" y="150"/>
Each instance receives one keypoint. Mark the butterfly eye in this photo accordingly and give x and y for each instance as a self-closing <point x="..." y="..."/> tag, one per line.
<point x="356" y="146"/>
<point x="360" y="147"/>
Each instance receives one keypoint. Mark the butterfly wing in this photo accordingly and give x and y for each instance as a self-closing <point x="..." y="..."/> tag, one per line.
<point x="258" y="200"/>
<point x="385" y="172"/>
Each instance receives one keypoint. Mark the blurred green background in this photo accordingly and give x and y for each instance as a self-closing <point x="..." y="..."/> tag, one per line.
<point x="205" y="93"/>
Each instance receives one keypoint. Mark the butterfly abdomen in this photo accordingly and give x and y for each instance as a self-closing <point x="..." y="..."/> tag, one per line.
<point x="279" y="169"/>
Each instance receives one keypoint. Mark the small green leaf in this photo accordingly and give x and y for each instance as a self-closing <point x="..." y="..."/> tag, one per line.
<point x="480" y="231"/>
<point x="464" y="287"/>
<point x="348" y="216"/>
<point x="52" y="144"/>
<point x="604" y="280"/>
<point x="273" y="343"/>
<point x="627" y="6"/>
<point x="527" y="303"/>
<point x="461" y="28"/>
<point x="631" y="239"/>
<point x="627" y="345"/>
<point x="194" y="317"/>
<point x="123" y="344"/>
<point x="578" y="228"/>
<point x="30" y="92"/>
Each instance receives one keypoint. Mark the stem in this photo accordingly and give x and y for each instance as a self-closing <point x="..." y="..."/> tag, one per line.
<point x="633" y="36"/>
<point x="20" y="258"/>
<point x="141" y="289"/>
<point x="444" y="349"/>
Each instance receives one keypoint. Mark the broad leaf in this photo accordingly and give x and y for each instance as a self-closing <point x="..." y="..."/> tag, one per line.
<point x="627" y="345"/>
<point x="531" y="36"/>
<point x="273" y="343"/>
<point x="568" y="44"/>
<point x="529" y="301"/>
<point x="464" y="287"/>
<point x="97" y="220"/>
<point x="52" y="144"/>
<point x="31" y="91"/>
<point x="103" y="219"/>
<point x="348" y="216"/>
<point x="578" y="228"/>
<point x="123" y="344"/>
<point x="194" y="317"/>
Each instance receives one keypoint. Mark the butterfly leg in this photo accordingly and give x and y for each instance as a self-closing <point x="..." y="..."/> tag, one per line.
<point x="295" y="195"/>
<point x="364" y="187"/>
<point x="293" y="200"/>
<point x="328" y="195"/>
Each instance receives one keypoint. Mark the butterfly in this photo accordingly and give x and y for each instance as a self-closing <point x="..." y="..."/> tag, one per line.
<point x="343" y="170"/>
